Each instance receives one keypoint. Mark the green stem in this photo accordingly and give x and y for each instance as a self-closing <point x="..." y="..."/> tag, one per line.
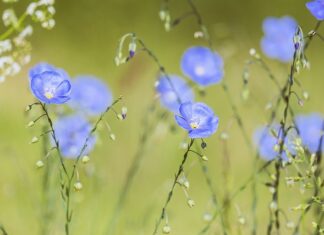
<point x="170" y="194"/>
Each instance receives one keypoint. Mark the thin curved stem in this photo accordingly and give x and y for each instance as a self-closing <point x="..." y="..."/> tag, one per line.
<point x="13" y="28"/>
<point x="170" y="194"/>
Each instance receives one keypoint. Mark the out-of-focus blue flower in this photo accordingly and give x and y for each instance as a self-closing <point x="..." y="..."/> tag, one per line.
<point x="310" y="129"/>
<point x="170" y="90"/>
<point x="278" y="40"/>
<point x="202" y="65"/>
<point x="316" y="7"/>
<point x="266" y="142"/>
<point x="49" y="84"/>
<point x="198" y="119"/>
<point x="71" y="133"/>
<point x="90" y="95"/>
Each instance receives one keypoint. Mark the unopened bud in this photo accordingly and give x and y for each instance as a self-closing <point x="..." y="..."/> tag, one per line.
<point x="78" y="186"/>
<point x="124" y="112"/>
<point x="85" y="159"/>
<point x="273" y="206"/>
<point x="305" y="95"/>
<point x="112" y="136"/>
<point x="252" y="52"/>
<point x="30" y="124"/>
<point x="34" y="140"/>
<point x="204" y="158"/>
<point x="203" y="145"/>
<point x="39" y="164"/>
<point x="28" y="108"/>
<point x="166" y="229"/>
<point x="186" y="184"/>
<point x="301" y="102"/>
<point x="241" y="220"/>
<point x="224" y="135"/>
<point x="191" y="203"/>
<point x="207" y="217"/>
<point x="120" y="116"/>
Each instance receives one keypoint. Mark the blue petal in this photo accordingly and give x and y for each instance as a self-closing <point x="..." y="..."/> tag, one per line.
<point x="202" y="65"/>
<point x="90" y="95"/>
<point x="182" y="122"/>
<point x="71" y="133"/>
<point x="277" y="42"/>
<point x="316" y="8"/>
<point x="310" y="129"/>
<point x="186" y="110"/>
<point x="169" y="94"/>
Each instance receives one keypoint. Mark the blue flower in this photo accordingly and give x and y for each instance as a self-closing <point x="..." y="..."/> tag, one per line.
<point x="71" y="133"/>
<point x="266" y="142"/>
<point x="90" y="95"/>
<point x="316" y="7"/>
<point x="198" y="119"/>
<point x="310" y="129"/>
<point x="170" y="90"/>
<point x="277" y="42"/>
<point x="49" y="84"/>
<point x="202" y="65"/>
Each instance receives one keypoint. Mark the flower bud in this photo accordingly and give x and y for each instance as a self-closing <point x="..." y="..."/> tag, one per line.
<point x="241" y="220"/>
<point x="207" y="217"/>
<point x="166" y="229"/>
<point x="120" y="117"/>
<point x="252" y="52"/>
<point x="224" y="135"/>
<point x="203" y="145"/>
<point x="28" y="108"/>
<point x="305" y="95"/>
<point x="191" y="203"/>
<point x="204" y="158"/>
<point x="34" y="140"/>
<point x="39" y="164"/>
<point x="112" y="136"/>
<point x="186" y="184"/>
<point x="78" y="186"/>
<point x="85" y="159"/>
<point x="30" y="124"/>
<point x="124" y="112"/>
<point x="273" y="206"/>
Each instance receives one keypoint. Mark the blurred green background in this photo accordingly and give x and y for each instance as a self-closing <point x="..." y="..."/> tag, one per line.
<point x="84" y="41"/>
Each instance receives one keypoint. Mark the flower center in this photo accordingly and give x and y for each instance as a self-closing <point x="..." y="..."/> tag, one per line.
<point x="200" y="70"/>
<point x="49" y="95"/>
<point x="194" y="125"/>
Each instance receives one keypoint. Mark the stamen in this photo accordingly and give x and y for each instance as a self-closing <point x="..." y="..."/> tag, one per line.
<point x="49" y="95"/>
<point x="194" y="125"/>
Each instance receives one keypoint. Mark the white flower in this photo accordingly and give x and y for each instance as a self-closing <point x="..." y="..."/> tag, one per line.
<point x="40" y="15"/>
<point x="9" y="17"/>
<point x="5" y="46"/>
<point x="31" y="8"/>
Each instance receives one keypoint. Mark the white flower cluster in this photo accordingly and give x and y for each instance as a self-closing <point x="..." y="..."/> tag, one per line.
<point x="14" y="47"/>
<point x="43" y="12"/>
<point x="9" y="18"/>
<point x="14" y="53"/>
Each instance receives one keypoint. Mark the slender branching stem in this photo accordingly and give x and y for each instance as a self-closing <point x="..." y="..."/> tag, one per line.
<point x="67" y="185"/>
<point x="170" y="194"/>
